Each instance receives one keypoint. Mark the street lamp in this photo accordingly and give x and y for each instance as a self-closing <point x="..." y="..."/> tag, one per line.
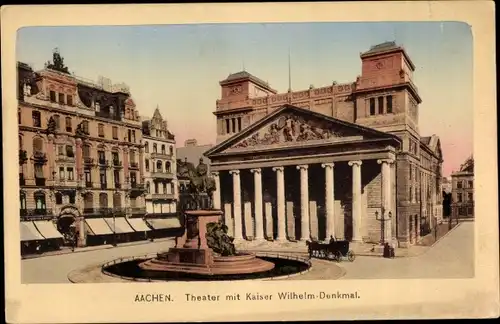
<point x="382" y="219"/>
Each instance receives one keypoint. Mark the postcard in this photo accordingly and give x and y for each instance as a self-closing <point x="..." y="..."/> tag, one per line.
<point x="225" y="162"/>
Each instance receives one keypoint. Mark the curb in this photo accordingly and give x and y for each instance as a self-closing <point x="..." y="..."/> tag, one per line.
<point x="433" y="244"/>
<point x="97" y="248"/>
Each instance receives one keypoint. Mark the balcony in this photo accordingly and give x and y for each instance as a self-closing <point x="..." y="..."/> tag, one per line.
<point x="134" y="165"/>
<point x="88" y="161"/>
<point x="88" y="184"/>
<point x="39" y="182"/>
<point x="118" y="185"/>
<point x="162" y="196"/>
<point x="104" y="185"/>
<point x="35" y="212"/>
<point x="117" y="163"/>
<point x="103" y="162"/>
<point x="64" y="158"/>
<point x="157" y="155"/>
<point x="162" y="175"/>
<point x="69" y="129"/>
<point x="39" y="157"/>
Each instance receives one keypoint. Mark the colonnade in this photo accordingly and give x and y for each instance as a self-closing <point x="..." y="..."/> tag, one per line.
<point x="281" y="234"/>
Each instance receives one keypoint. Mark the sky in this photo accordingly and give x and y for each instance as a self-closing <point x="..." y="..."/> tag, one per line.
<point x="178" y="67"/>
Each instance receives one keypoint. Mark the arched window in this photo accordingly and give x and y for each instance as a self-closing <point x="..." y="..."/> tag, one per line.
<point x="37" y="120"/>
<point x="40" y="200"/>
<point x="86" y="150"/>
<point x="159" y="166"/>
<point x="59" y="198"/>
<point x="168" y="167"/>
<point x="22" y="198"/>
<point x="146" y="147"/>
<point x="171" y="148"/>
<point x="163" y="149"/>
<point x="88" y="201"/>
<point x="117" y="200"/>
<point x="148" y="187"/>
<point x="155" y="149"/>
<point x="37" y="144"/>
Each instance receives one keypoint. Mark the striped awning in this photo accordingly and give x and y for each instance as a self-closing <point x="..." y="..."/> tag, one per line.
<point x="138" y="224"/>
<point x="29" y="232"/>
<point x="97" y="226"/>
<point x="48" y="229"/>
<point x="119" y="225"/>
<point x="164" y="223"/>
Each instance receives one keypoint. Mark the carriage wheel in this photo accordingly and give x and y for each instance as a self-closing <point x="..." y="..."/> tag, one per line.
<point x="351" y="256"/>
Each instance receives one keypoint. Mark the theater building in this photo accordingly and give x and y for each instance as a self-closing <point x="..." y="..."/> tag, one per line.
<point x="344" y="160"/>
<point x="79" y="150"/>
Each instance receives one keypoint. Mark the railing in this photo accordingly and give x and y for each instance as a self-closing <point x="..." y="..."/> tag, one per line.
<point x="134" y="165"/>
<point x="165" y="155"/>
<point x="118" y="185"/>
<point x="69" y="129"/>
<point x="104" y="185"/>
<point x="103" y="162"/>
<point x="137" y="210"/>
<point x="117" y="163"/>
<point x="163" y="196"/>
<point x="88" y="184"/>
<point x="40" y="156"/>
<point x="35" y="212"/>
<point x="138" y="186"/>
<point x="40" y="181"/>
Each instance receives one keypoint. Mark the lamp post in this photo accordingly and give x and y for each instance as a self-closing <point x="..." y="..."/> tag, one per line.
<point x="382" y="219"/>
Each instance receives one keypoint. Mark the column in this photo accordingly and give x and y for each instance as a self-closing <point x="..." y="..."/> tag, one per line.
<point x="216" y="195"/>
<point x="329" y="200"/>
<point x="386" y="197"/>
<point x="280" y="181"/>
<point x="259" y="218"/>
<point x="305" y="233"/>
<point x="356" y="200"/>
<point x="238" y="231"/>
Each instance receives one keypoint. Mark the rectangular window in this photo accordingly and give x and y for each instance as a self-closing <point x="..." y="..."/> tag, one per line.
<point x="133" y="179"/>
<point x="116" y="175"/>
<point x="61" y="98"/>
<point x="470" y="211"/>
<point x="228" y="130"/>
<point x="459" y="197"/>
<point x="233" y="121"/>
<point x="72" y="197"/>
<point x="115" y="156"/>
<point x="470" y="196"/>
<point x="133" y="136"/>
<point x="459" y="184"/>
<point x="68" y="124"/>
<point x="61" y="173"/>
<point x="389" y="104"/>
<point x="71" y="175"/>
<point x="101" y="155"/>
<point x="115" y="132"/>
<point x="37" y="121"/>
<point x="39" y="171"/>
<point x="372" y="106"/>
<point x="132" y="156"/>
<point x="53" y="96"/>
<point x="239" y="124"/>
<point x="57" y="121"/>
<point x="147" y="165"/>
<point x="69" y="151"/>
<point x="130" y="135"/>
<point x="471" y="184"/>
<point x="100" y="130"/>
<point x="69" y="100"/>
<point x="88" y="177"/>
<point x="102" y="176"/>
<point x="381" y="105"/>
<point x="60" y="150"/>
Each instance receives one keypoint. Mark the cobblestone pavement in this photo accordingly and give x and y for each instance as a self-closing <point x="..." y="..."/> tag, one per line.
<point x="451" y="257"/>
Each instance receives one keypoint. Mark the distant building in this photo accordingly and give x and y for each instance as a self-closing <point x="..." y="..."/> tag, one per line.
<point x="192" y="153"/>
<point x="463" y="190"/>
<point x="446" y="184"/>
<point x="159" y="167"/>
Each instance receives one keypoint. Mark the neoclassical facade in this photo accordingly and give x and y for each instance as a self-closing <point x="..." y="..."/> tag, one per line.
<point x="79" y="149"/>
<point x="346" y="160"/>
<point x="159" y="167"/>
<point x="462" y="190"/>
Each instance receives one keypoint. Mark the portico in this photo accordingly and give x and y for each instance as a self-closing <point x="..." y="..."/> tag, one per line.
<point x="299" y="175"/>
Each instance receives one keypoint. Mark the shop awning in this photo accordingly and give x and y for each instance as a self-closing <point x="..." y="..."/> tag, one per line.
<point x="164" y="223"/>
<point x="97" y="226"/>
<point x="48" y="229"/>
<point x="119" y="225"/>
<point x="29" y="232"/>
<point x="138" y="224"/>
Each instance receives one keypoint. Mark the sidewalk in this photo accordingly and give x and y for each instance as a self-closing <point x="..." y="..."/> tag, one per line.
<point x="67" y="250"/>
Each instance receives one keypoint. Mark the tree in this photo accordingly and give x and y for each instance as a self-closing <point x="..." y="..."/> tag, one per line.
<point x="57" y="63"/>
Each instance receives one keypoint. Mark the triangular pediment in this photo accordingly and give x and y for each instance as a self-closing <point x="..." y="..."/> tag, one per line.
<point x="291" y="126"/>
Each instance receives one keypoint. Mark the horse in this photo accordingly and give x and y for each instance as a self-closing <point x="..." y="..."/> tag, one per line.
<point x="317" y="247"/>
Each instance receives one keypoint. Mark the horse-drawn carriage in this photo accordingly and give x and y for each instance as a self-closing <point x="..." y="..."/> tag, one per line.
<point x="335" y="250"/>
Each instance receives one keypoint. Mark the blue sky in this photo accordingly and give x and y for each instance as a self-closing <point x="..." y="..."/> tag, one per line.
<point x="178" y="67"/>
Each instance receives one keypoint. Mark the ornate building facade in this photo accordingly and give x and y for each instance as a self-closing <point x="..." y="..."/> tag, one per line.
<point x="79" y="149"/>
<point x="462" y="190"/>
<point x="159" y="167"/>
<point x="345" y="160"/>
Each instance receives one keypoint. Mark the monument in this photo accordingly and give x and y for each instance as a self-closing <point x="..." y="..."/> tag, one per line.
<point x="205" y="248"/>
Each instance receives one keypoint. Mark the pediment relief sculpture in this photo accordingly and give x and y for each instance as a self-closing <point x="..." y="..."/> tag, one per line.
<point x="291" y="129"/>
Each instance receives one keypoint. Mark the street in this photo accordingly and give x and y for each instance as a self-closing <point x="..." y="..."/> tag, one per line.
<point x="451" y="257"/>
